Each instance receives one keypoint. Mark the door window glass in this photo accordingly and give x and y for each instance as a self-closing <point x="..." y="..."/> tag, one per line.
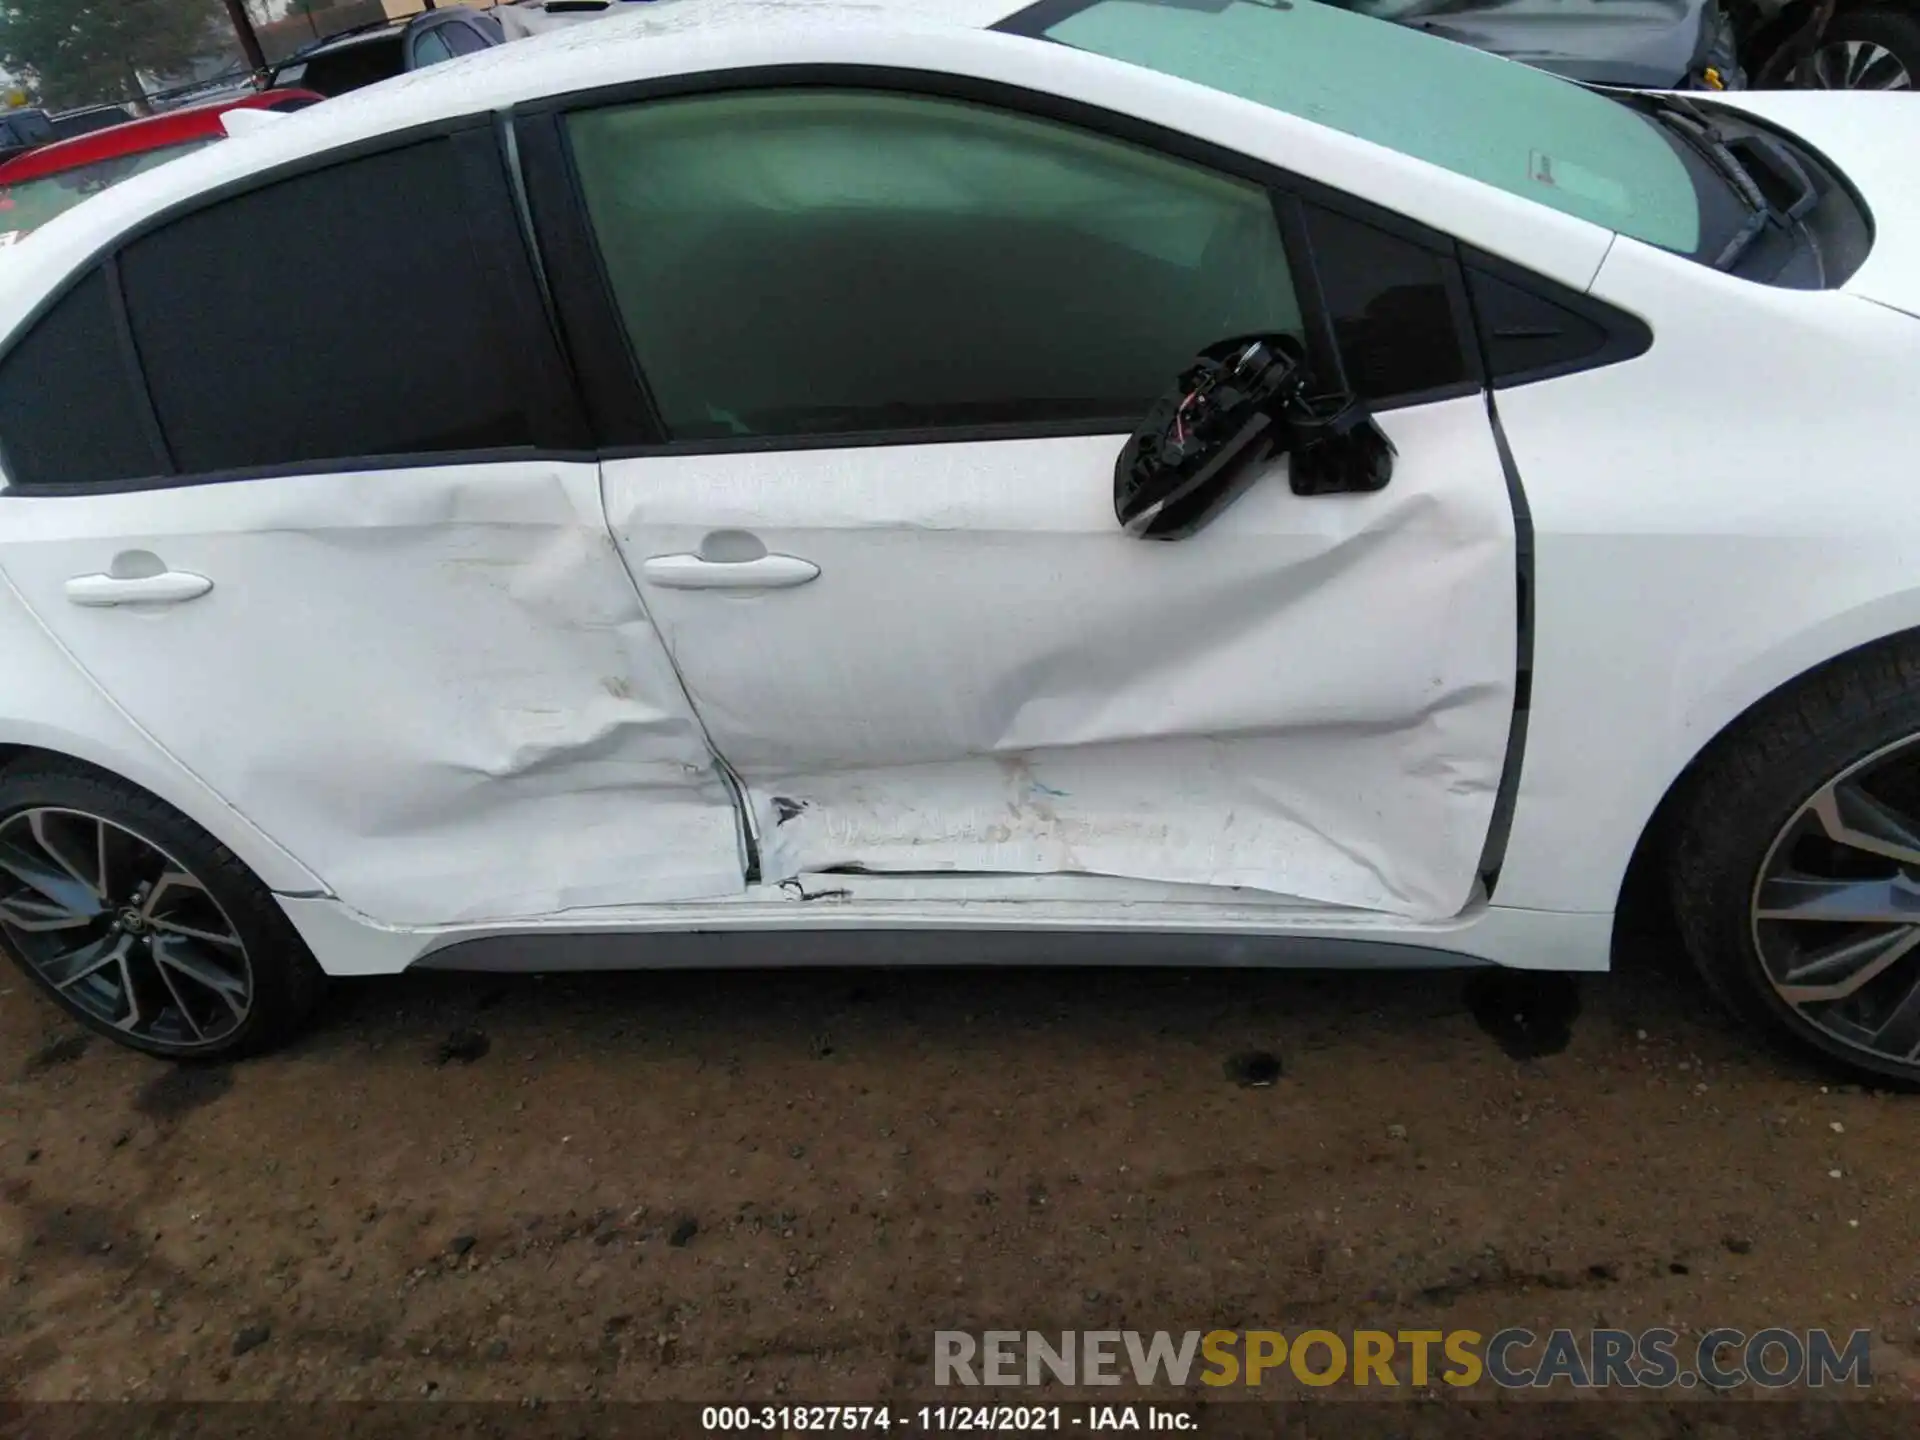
<point x="813" y="262"/>
<point x="339" y="315"/>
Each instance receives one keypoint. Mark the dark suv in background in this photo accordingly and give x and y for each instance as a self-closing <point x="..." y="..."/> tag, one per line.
<point x="368" y="54"/>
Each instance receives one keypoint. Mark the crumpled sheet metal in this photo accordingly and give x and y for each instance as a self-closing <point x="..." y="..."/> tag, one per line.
<point x="436" y="688"/>
<point x="1312" y="697"/>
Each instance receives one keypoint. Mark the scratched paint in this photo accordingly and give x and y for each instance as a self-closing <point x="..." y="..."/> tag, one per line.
<point x="1311" y="698"/>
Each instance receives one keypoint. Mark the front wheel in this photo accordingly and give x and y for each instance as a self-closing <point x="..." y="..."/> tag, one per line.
<point x="1796" y="872"/>
<point x="1869" y="49"/>
<point x="139" y="924"/>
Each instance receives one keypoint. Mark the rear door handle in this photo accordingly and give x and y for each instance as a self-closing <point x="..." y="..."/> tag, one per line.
<point x="696" y="572"/>
<point x="170" y="587"/>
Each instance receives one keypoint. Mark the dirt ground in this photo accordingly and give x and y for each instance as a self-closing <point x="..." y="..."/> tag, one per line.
<point x="756" y="1185"/>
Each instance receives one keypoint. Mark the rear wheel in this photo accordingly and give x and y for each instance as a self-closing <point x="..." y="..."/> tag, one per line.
<point x="1796" y="873"/>
<point x="141" y="925"/>
<point x="1870" y="49"/>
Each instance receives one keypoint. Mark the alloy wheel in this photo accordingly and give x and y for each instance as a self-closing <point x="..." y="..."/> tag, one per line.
<point x="121" y="930"/>
<point x="1854" y="65"/>
<point x="1836" y="908"/>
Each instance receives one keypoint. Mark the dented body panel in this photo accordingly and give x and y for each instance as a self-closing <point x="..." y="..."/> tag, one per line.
<point x="1310" y="698"/>
<point x="441" y="704"/>
<point x="436" y="689"/>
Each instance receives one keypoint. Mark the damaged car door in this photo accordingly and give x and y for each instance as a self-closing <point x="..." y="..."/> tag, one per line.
<point x="295" y="475"/>
<point x="893" y="342"/>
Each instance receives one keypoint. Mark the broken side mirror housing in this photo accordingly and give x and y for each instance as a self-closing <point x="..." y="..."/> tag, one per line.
<point x="1337" y="448"/>
<point x="1238" y="405"/>
<point x="1203" y="441"/>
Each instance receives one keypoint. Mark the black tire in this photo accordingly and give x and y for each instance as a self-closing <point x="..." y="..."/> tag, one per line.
<point x="1895" y="32"/>
<point x="1742" y="797"/>
<point x="285" y="985"/>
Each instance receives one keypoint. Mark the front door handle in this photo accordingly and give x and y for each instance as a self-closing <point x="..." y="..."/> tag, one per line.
<point x="696" y="572"/>
<point x="169" y="587"/>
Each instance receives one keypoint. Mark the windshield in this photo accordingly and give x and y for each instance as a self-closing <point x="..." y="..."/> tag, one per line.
<point x="26" y="206"/>
<point x="1478" y="115"/>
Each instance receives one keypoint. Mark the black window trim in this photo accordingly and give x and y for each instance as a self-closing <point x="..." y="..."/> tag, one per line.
<point x="1628" y="336"/>
<point x="1442" y="248"/>
<point x="627" y="423"/>
<point x="128" y="352"/>
<point x="618" y="401"/>
<point x="598" y="407"/>
<point x="558" y="420"/>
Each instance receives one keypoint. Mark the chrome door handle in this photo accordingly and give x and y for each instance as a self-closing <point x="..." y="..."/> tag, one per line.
<point x="696" y="572"/>
<point x="170" y="587"/>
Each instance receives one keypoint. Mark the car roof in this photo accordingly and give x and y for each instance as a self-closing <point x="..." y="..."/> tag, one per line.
<point x="154" y="132"/>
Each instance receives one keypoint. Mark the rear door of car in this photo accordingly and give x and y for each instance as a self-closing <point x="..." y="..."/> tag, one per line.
<point x="297" y="476"/>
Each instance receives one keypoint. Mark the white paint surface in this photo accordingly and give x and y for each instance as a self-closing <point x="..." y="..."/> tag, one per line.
<point x="436" y="688"/>
<point x="1310" y="697"/>
<point x="439" y="696"/>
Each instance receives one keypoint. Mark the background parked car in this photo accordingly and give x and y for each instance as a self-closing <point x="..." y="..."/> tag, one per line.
<point x="1639" y="44"/>
<point x="1685" y="44"/>
<point x="1832" y="44"/>
<point x="87" y="119"/>
<point x="50" y="179"/>
<point x="23" y="130"/>
<point x="369" y="54"/>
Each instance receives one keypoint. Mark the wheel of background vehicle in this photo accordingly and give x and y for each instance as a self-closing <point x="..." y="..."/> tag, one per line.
<point x="1870" y="49"/>
<point x="140" y="924"/>
<point x="1796" y="871"/>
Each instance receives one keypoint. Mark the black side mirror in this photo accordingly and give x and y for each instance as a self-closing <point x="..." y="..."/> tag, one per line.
<point x="1337" y="447"/>
<point x="1241" y="403"/>
<point x="1202" y="442"/>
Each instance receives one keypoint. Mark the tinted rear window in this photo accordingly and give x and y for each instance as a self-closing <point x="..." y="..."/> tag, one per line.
<point x="69" y="413"/>
<point x="339" y="315"/>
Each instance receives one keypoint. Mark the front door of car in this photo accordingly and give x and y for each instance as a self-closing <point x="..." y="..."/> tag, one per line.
<point x="893" y="343"/>
<point x="343" y="567"/>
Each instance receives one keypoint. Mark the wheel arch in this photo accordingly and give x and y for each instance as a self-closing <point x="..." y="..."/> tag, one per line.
<point x="53" y="709"/>
<point x="275" y="868"/>
<point x="1640" y="894"/>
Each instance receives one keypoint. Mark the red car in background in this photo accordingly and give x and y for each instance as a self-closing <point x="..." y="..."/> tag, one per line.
<point x="44" y="182"/>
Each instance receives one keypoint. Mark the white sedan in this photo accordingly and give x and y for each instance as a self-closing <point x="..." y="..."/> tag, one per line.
<point x="666" y="479"/>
